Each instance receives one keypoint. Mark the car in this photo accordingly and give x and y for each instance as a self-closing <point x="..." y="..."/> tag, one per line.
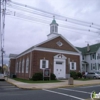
<point x="93" y="75"/>
<point x="2" y="76"/>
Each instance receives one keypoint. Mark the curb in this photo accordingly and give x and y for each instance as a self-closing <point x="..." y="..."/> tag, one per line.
<point x="68" y="86"/>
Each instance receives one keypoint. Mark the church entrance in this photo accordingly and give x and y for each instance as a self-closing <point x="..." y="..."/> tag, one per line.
<point x="60" y="67"/>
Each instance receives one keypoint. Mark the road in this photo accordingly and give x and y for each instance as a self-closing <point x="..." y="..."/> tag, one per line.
<point x="9" y="92"/>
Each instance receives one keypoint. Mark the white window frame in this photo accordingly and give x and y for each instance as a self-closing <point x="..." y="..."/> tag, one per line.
<point x="27" y="65"/>
<point x="72" y="66"/>
<point x="41" y="64"/>
<point x="23" y="66"/>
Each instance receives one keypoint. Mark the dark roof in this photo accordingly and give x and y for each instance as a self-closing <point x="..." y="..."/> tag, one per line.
<point x="93" y="49"/>
<point x="53" y="22"/>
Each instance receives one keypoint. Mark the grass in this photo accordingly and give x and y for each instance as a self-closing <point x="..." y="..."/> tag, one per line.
<point x="31" y="81"/>
<point x="83" y="79"/>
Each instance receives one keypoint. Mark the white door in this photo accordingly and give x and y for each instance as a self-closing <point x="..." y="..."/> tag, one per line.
<point x="59" y="69"/>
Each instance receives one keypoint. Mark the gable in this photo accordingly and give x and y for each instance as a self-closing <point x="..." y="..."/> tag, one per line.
<point x="53" y="44"/>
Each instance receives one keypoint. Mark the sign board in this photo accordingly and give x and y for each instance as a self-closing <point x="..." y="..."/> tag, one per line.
<point x="46" y="72"/>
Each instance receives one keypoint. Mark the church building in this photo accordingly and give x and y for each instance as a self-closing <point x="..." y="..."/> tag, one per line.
<point x="56" y="53"/>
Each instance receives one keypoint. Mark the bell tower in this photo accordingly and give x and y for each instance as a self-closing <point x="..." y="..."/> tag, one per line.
<point x="53" y="28"/>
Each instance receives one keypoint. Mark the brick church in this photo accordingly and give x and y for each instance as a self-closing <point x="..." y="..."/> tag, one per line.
<point x="56" y="53"/>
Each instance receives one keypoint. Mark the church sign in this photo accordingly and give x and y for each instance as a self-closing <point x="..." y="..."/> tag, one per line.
<point x="46" y="73"/>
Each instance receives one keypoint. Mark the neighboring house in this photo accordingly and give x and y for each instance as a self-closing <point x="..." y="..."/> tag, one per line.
<point x="54" y="53"/>
<point x="90" y="58"/>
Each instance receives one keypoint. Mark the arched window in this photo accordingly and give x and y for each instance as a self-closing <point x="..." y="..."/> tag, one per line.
<point x="27" y="65"/>
<point x="23" y="66"/>
<point x="19" y="66"/>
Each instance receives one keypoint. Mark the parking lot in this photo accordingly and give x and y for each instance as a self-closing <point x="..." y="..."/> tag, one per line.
<point x="10" y="92"/>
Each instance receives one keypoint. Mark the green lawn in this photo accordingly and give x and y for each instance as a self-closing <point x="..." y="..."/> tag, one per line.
<point x="84" y="79"/>
<point x="31" y="81"/>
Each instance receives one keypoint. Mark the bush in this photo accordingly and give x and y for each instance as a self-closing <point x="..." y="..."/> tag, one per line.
<point x="14" y="76"/>
<point x="79" y="75"/>
<point x="73" y="74"/>
<point x="52" y="76"/>
<point x="37" y="77"/>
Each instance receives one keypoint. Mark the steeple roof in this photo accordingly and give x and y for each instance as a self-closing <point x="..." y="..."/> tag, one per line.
<point x="53" y="21"/>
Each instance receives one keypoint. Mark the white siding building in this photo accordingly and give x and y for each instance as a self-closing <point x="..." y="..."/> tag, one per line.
<point x="90" y="58"/>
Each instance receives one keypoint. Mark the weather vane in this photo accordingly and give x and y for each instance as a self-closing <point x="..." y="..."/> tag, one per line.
<point x="54" y="17"/>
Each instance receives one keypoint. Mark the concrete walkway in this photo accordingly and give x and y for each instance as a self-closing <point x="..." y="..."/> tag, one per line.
<point x="51" y="85"/>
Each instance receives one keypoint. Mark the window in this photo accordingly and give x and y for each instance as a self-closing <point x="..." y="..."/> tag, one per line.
<point x="19" y="66"/>
<point x="52" y="29"/>
<point x="72" y="65"/>
<point x="98" y="66"/>
<point x="44" y="64"/>
<point x="83" y="57"/>
<point x="98" y="57"/>
<point x="58" y="62"/>
<point x="23" y="66"/>
<point x="27" y="65"/>
<point x="93" y="56"/>
<point x="55" y="28"/>
<point x="93" y="66"/>
<point x="59" y="43"/>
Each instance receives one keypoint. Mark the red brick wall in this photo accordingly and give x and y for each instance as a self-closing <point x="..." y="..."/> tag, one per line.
<point x="37" y="55"/>
<point x="35" y="62"/>
<point x="23" y="75"/>
<point x="12" y="66"/>
<point x="52" y="44"/>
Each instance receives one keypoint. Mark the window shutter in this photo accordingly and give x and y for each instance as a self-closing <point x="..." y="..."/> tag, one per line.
<point x="47" y="64"/>
<point x="40" y="64"/>
<point x="70" y="66"/>
<point x="74" y="65"/>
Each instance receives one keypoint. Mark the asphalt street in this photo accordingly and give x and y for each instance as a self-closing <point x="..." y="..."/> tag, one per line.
<point x="10" y="92"/>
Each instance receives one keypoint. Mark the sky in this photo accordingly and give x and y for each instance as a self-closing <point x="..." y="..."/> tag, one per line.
<point x="21" y="34"/>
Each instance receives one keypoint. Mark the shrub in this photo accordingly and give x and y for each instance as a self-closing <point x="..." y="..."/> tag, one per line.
<point x="52" y="76"/>
<point x="14" y="76"/>
<point x="79" y="75"/>
<point x="73" y="74"/>
<point x="37" y="77"/>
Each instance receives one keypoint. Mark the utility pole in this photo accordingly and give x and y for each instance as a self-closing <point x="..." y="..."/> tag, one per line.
<point x="1" y="36"/>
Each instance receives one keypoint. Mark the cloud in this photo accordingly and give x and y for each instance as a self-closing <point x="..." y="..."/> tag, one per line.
<point x="21" y="34"/>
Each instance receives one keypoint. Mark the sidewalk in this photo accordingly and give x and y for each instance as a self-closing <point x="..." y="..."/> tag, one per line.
<point x="51" y="85"/>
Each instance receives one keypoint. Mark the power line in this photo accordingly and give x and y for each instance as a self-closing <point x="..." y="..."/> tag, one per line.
<point x="14" y="13"/>
<point x="66" y="18"/>
<point x="50" y="16"/>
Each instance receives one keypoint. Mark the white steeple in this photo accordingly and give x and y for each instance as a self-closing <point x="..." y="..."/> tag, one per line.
<point x="53" y="29"/>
